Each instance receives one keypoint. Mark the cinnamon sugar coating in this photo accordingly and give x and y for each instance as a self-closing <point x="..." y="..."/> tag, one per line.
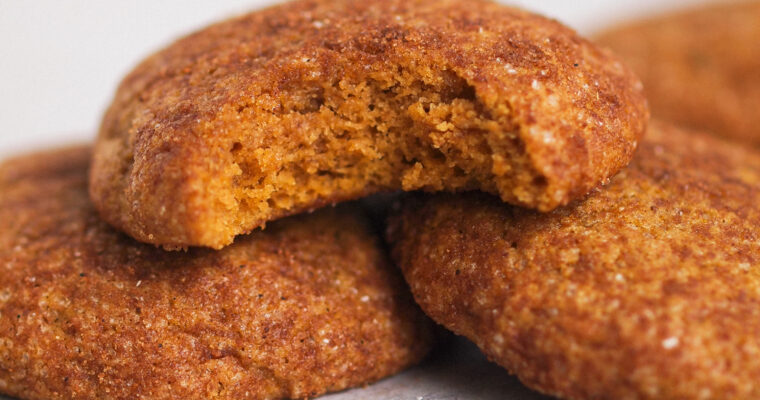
<point x="700" y="67"/>
<point x="309" y="306"/>
<point x="647" y="289"/>
<point x="317" y="101"/>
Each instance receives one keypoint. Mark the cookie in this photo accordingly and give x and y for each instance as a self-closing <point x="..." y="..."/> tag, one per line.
<point x="309" y="306"/>
<point x="313" y="102"/>
<point x="647" y="289"/>
<point x="700" y="67"/>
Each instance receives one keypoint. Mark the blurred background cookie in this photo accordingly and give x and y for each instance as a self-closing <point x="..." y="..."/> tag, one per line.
<point x="700" y="67"/>
<point x="314" y="102"/>
<point x="309" y="306"/>
<point x="647" y="289"/>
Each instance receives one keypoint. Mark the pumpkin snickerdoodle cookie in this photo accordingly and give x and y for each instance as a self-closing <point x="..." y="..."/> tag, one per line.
<point x="700" y="67"/>
<point x="312" y="102"/>
<point x="647" y="289"/>
<point x="309" y="306"/>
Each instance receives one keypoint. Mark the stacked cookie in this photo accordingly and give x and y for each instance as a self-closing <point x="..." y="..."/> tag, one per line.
<point x="180" y="258"/>
<point x="700" y="67"/>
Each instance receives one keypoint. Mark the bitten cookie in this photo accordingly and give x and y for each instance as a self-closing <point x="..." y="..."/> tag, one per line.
<point x="309" y="306"/>
<point x="701" y="68"/>
<point x="313" y="102"/>
<point x="647" y="289"/>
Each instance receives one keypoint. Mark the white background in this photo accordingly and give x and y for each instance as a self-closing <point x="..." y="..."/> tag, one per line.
<point x="61" y="60"/>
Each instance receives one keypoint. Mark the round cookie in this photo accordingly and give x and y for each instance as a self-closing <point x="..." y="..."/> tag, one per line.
<point x="317" y="101"/>
<point x="647" y="289"/>
<point x="309" y="306"/>
<point x="700" y="67"/>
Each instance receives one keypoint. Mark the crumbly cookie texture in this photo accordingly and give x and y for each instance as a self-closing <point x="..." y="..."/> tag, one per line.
<point x="700" y="67"/>
<point x="647" y="289"/>
<point x="313" y="102"/>
<point x="309" y="306"/>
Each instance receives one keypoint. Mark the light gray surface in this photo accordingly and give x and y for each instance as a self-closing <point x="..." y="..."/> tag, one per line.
<point x="457" y="371"/>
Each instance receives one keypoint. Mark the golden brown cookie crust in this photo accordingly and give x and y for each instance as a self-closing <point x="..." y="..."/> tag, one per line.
<point x="700" y="67"/>
<point x="648" y="289"/>
<point x="309" y="306"/>
<point x="313" y="102"/>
